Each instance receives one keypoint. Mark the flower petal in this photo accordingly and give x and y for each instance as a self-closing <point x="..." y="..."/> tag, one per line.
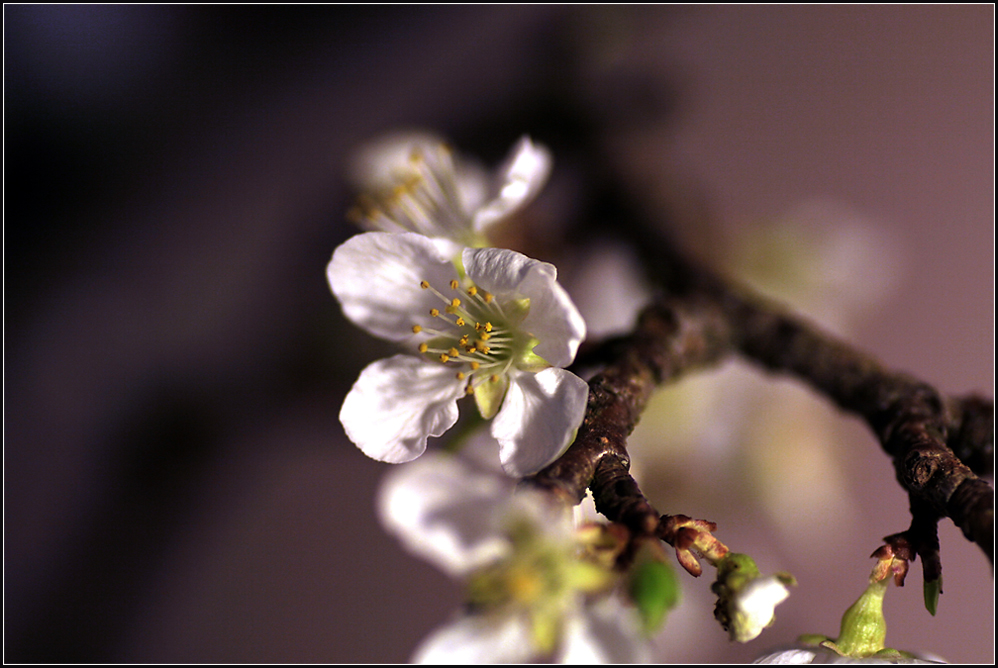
<point x="478" y="639"/>
<point x="443" y="509"/>
<point x="538" y="419"/>
<point x="376" y="277"/>
<point x="605" y="631"/>
<point x="397" y="403"/>
<point x="553" y="318"/>
<point x="522" y="176"/>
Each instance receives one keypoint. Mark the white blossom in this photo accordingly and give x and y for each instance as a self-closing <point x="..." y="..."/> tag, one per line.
<point x="496" y="325"/>
<point x="413" y="182"/>
<point x="529" y="594"/>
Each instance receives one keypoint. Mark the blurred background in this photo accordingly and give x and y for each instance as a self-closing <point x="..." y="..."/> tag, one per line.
<point x="177" y="485"/>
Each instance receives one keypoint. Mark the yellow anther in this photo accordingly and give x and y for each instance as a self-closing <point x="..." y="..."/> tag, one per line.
<point x="474" y="366"/>
<point x="416" y="329"/>
<point x="464" y="340"/>
<point x="444" y="357"/>
<point x="487" y="296"/>
<point x="453" y="352"/>
<point x="472" y="291"/>
<point x="423" y="347"/>
<point x="434" y="312"/>
<point x="455" y="302"/>
<point x="424" y="285"/>
<point x="485" y="349"/>
<point x="471" y="349"/>
<point x="453" y="284"/>
<point x="493" y="378"/>
<point x="459" y="322"/>
<point x="459" y="375"/>
<point x="488" y="327"/>
<point x="469" y="389"/>
<point x="484" y="337"/>
<point x="478" y="326"/>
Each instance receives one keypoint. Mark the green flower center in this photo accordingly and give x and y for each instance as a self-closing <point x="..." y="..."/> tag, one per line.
<point x="481" y="338"/>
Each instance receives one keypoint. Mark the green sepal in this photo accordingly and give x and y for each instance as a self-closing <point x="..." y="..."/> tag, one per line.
<point x="655" y="590"/>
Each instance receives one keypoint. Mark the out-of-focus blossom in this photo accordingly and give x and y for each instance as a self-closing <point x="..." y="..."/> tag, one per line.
<point x="497" y="326"/>
<point x="529" y="594"/>
<point x="823" y="655"/>
<point x="413" y="182"/>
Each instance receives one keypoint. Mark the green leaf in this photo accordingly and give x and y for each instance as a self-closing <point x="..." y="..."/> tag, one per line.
<point x="655" y="590"/>
<point x="931" y="590"/>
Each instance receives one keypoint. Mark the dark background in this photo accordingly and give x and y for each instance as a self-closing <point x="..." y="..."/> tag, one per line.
<point x="177" y="484"/>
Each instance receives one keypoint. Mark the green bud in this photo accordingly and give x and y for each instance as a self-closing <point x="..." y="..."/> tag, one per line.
<point x="864" y="628"/>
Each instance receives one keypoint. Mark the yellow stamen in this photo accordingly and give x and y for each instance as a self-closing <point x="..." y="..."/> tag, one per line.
<point x="455" y="302"/>
<point x="444" y="357"/>
<point x="434" y="312"/>
<point x="472" y="291"/>
<point x="424" y="285"/>
<point x="488" y="327"/>
<point x="453" y="284"/>
<point x="416" y="329"/>
<point x="423" y="347"/>
<point x="474" y="366"/>
<point x="493" y="378"/>
<point x="459" y="375"/>
<point x="459" y="322"/>
<point x="488" y="297"/>
<point x="453" y="352"/>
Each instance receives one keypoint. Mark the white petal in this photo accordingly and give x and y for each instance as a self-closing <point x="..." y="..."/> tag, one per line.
<point x="604" y="632"/>
<point x="397" y="403"/>
<point x="553" y="318"/>
<point x="376" y="276"/>
<point x="444" y="510"/>
<point x="538" y="419"/>
<point x="478" y="639"/>
<point x="522" y="176"/>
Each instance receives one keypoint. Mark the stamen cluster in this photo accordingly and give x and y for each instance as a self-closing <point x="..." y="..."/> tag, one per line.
<point x="476" y="334"/>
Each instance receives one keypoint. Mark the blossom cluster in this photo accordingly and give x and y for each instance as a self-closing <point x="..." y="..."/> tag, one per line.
<point x="495" y="326"/>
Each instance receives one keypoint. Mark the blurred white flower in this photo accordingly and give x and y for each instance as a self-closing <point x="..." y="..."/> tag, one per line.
<point x="529" y="594"/>
<point x="413" y="182"/>
<point x="498" y="327"/>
